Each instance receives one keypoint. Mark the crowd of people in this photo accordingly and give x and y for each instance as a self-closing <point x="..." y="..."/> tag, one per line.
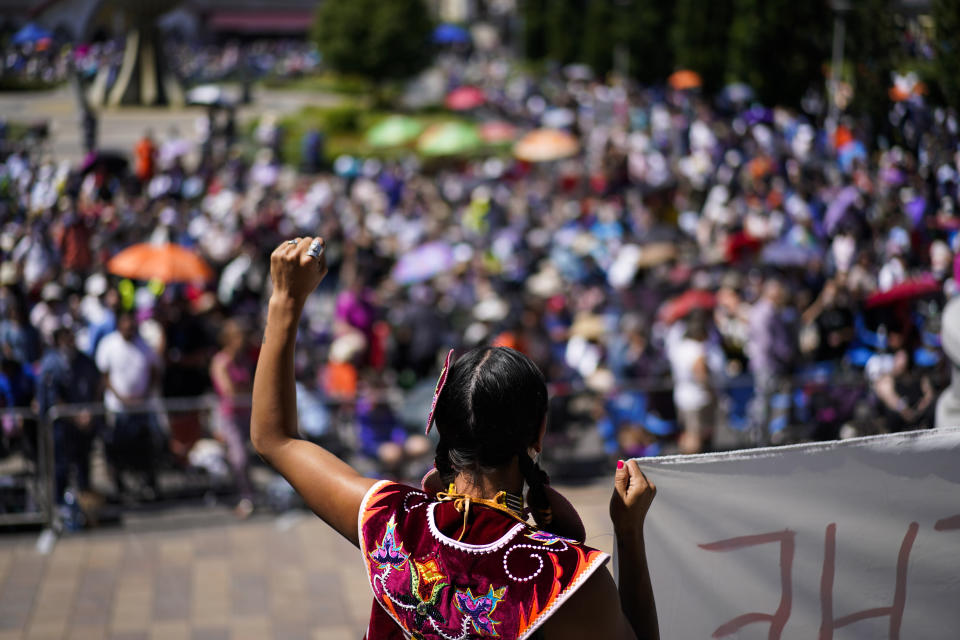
<point x="698" y="267"/>
<point x="44" y="61"/>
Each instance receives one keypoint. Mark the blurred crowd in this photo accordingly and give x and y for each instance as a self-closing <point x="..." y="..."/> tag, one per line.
<point x="44" y="61"/>
<point x="699" y="267"/>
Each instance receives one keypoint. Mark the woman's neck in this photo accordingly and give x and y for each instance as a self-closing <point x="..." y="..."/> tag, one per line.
<point x="488" y="485"/>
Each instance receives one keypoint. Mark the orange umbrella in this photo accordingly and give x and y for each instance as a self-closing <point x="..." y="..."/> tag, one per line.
<point x="166" y="262"/>
<point x="544" y="145"/>
<point x="684" y="79"/>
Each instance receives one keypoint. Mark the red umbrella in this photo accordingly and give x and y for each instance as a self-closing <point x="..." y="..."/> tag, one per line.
<point x="167" y="262"/>
<point x="498" y="132"/>
<point x="465" y="98"/>
<point x="921" y="287"/>
<point x="686" y="303"/>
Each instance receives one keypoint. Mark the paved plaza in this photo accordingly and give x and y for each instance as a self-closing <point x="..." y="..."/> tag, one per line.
<point x="120" y="128"/>
<point x="197" y="573"/>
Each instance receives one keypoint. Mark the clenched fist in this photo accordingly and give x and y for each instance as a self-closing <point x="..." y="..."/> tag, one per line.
<point x="295" y="270"/>
<point x="632" y="496"/>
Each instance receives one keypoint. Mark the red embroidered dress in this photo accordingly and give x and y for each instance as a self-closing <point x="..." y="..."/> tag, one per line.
<point x="502" y="581"/>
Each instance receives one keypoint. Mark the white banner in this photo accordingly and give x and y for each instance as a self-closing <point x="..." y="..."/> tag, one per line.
<point x="858" y="539"/>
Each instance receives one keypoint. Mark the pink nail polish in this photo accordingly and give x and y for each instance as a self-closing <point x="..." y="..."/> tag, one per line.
<point x="619" y="464"/>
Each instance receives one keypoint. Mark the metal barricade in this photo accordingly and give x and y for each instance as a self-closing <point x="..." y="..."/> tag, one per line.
<point x="177" y="423"/>
<point x="26" y="471"/>
<point x="185" y="420"/>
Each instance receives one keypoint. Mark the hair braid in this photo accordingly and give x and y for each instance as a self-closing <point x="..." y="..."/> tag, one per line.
<point x="537" y="479"/>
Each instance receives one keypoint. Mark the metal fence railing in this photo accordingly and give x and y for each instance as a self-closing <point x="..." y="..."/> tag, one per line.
<point x="27" y="471"/>
<point x="26" y="475"/>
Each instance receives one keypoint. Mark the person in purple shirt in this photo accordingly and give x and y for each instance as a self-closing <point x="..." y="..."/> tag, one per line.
<point x="771" y="349"/>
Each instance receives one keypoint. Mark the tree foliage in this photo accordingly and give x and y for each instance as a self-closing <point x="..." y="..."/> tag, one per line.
<point x="645" y="26"/>
<point x="374" y="39"/>
<point x="699" y="38"/>
<point x="600" y="26"/>
<point x="534" y="15"/>
<point x="872" y="49"/>
<point x="779" y="47"/>
<point x="946" y="21"/>
<point x="565" y="30"/>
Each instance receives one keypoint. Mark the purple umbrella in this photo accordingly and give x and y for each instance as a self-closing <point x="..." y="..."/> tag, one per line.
<point x="915" y="210"/>
<point x="784" y="254"/>
<point x="758" y="115"/>
<point x="838" y="208"/>
<point x="423" y="263"/>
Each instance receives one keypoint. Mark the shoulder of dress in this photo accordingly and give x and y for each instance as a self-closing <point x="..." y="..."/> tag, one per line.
<point x="388" y="501"/>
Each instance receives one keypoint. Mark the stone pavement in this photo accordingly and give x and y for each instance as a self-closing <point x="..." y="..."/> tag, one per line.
<point x="196" y="573"/>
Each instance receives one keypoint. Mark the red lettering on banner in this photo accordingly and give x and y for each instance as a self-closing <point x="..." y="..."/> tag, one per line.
<point x="828" y="623"/>
<point x="948" y="524"/>
<point x="777" y="620"/>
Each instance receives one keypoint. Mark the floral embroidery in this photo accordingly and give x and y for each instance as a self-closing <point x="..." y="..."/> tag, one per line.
<point x="423" y="609"/>
<point x="480" y="608"/>
<point x="389" y="553"/>
<point x="424" y="583"/>
<point x="429" y="571"/>
<point x="548" y="538"/>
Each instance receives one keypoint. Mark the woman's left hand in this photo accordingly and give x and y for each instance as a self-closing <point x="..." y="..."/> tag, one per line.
<point x="296" y="273"/>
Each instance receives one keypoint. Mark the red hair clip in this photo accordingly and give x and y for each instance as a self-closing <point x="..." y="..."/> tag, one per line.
<point x="436" y="393"/>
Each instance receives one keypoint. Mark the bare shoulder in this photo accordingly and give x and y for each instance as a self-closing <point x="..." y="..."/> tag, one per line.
<point x="592" y="611"/>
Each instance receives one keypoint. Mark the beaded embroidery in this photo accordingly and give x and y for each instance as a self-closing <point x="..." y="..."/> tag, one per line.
<point x="480" y="609"/>
<point x="427" y="585"/>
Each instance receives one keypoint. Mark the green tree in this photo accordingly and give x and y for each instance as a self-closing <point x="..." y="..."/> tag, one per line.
<point x="644" y="25"/>
<point x="946" y="25"/>
<point x="599" y="35"/>
<point x="699" y="37"/>
<point x="565" y="30"/>
<point x="872" y="47"/>
<point x="375" y="39"/>
<point x="778" y="47"/>
<point x="534" y="14"/>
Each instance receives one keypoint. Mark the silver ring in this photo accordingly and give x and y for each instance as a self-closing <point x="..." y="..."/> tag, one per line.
<point x="315" y="250"/>
<point x="294" y="242"/>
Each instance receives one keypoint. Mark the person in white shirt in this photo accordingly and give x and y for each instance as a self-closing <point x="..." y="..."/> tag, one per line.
<point x="692" y="391"/>
<point x="129" y="367"/>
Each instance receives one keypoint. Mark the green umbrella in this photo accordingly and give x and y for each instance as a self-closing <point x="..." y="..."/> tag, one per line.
<point x="448" y="139"/>
<point x="393" y="131"/>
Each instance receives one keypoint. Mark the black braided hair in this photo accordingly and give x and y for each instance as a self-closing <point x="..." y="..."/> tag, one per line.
<point x="489" y="411"/>
<point x="537" y="479"/>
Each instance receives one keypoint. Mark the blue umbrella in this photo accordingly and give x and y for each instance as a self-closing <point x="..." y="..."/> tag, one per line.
<point x="450" y="34"/>
<point x="31" y="32"/>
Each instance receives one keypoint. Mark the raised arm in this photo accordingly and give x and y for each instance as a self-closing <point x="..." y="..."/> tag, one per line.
<point x="330" y="487"/>
<point x="631" y="500"/>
